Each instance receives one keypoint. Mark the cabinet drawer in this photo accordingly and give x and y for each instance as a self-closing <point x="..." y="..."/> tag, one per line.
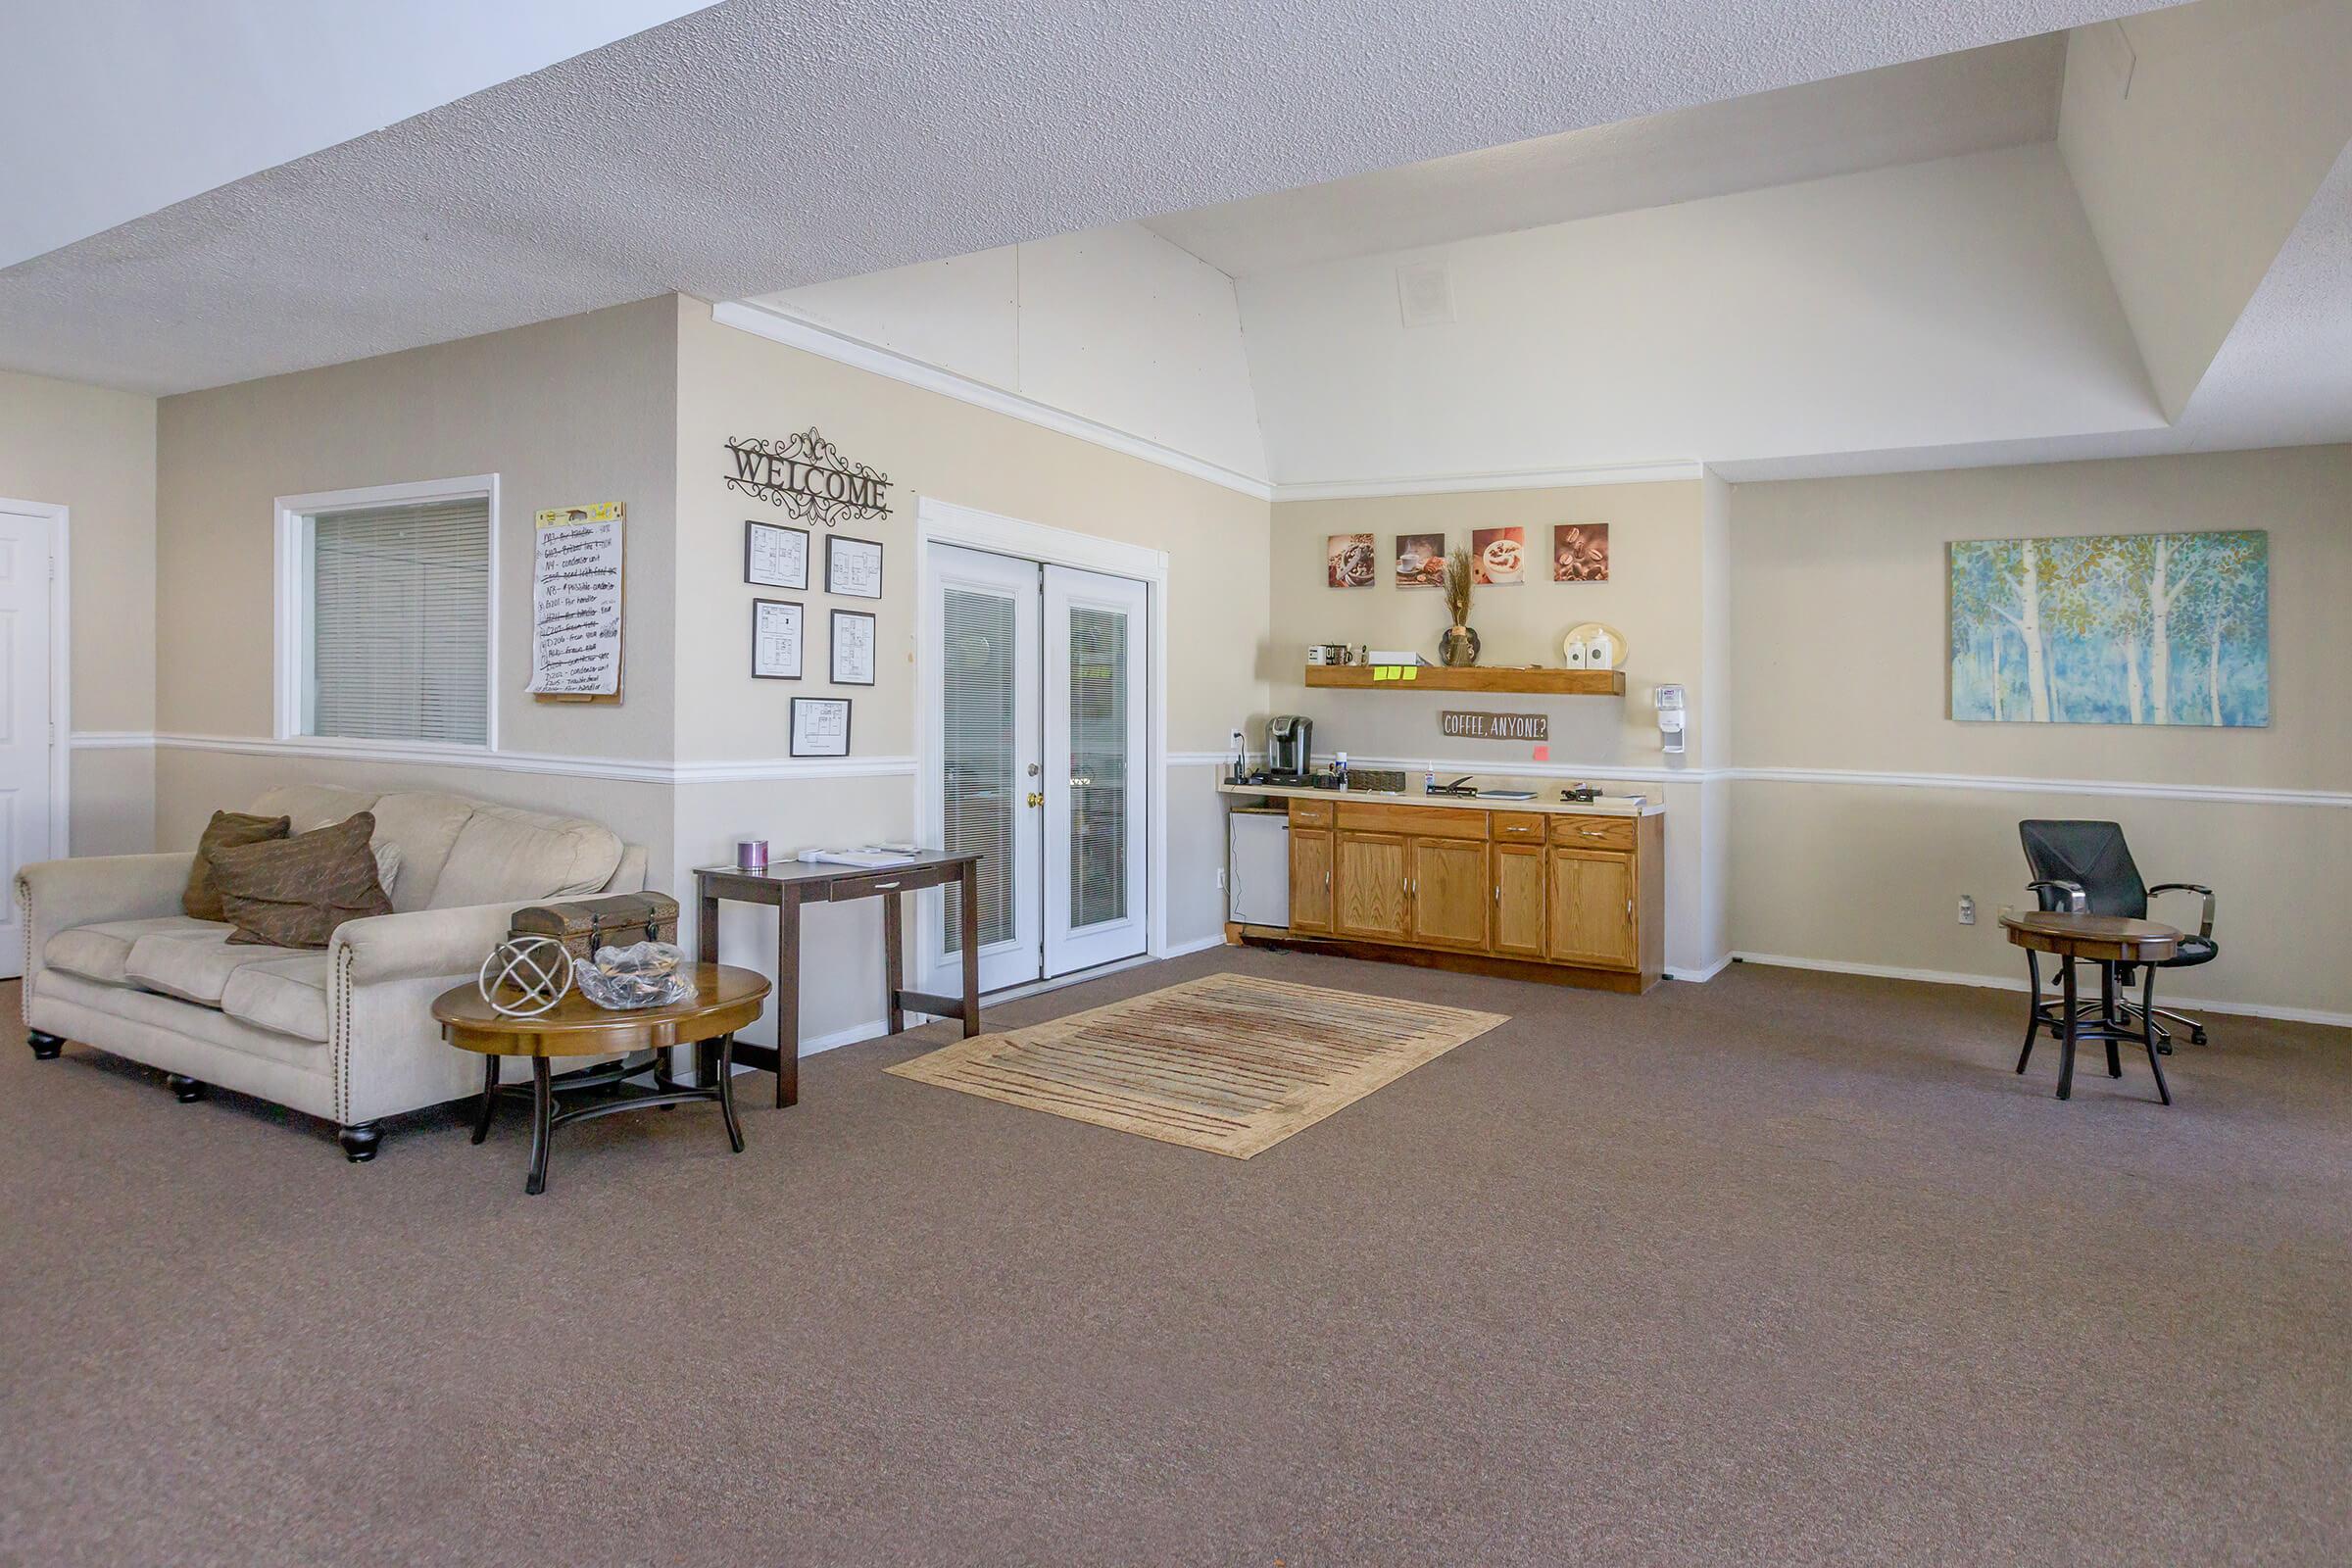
<point x="1422" y="821"/>
<point x="1310" y="814"/>
<point x="1595" y="832"/>
<point x="1517" y="827"/>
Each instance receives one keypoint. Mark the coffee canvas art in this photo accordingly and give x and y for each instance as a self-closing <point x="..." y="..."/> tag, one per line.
<point x="1347" y="561"/>
<point x="1420" y="559"/>
<point x="1500" y="555"/>
<point x="1580" y="552"/>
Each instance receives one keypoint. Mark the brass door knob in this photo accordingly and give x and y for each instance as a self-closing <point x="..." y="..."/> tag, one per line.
<point x="1037" y="798"/>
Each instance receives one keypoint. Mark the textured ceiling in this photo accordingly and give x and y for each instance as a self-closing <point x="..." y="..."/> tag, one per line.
<point x="1974" y="100"/>
<point x="768" y="143"/>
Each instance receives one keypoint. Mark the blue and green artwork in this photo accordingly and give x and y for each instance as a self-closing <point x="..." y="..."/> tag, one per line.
<point x="2140" y="628"/>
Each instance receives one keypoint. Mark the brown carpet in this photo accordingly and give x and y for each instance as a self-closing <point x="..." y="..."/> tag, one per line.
<point x="1229" y="1063"/>
<point x="1781" y="1270"/>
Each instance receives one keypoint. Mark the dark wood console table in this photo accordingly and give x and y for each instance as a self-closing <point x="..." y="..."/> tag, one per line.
<point x="793" y="883"/>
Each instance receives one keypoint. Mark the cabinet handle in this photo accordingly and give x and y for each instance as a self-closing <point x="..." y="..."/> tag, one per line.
<point x="886" y="887"/>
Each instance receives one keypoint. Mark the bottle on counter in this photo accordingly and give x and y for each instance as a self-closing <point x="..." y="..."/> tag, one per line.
<point x="1340" y="763"/>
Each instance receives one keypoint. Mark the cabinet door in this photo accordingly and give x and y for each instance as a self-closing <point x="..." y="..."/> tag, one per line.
<point x="1311" y="880"/>
<point x="1592" y="908"/>
<point x="1451" y="893"/>
<point x="1519" y="900"/>
<point x="1368" y="887"/>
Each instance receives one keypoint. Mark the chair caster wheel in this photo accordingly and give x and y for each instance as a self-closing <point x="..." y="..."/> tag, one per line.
<point x="2164" y="1047"/>
<point x="2197" y="1037"/>
<point x="188" y="1089"/>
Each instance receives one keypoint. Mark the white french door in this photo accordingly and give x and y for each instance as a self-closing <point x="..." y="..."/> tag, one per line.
<point x="1040" y="700"/>
<point x="1094" y="770"/>
<point x="26" y="738"/>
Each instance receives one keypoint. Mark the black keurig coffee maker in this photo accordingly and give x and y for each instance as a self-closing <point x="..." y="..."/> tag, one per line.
<point x="1289" y="748"/>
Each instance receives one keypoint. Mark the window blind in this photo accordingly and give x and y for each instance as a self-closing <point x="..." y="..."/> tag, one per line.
<point x="400" y="616"/>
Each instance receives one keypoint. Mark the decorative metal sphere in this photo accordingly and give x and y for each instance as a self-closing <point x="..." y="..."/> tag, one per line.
<point x="538" y="967"/>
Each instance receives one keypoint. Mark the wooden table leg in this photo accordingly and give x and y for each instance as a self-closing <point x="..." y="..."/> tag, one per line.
<point x="788" y="1000"/>
<point x="541" y="1105"/>
<point x="2108" y="1022"/>
<point x="2033" y="1007"/>
<point x="2065" y="1052"/>
<point x="705" y="951"/>
<point x="2147" y="1025"/>
<point x="972" y="948"/>
<point x="894" y="962"/>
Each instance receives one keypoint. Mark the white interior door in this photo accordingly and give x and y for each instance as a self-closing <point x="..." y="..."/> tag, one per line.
<point x="1096" y="769"/>
<point x="25" y="737"/>
<point x="985" y="692"/>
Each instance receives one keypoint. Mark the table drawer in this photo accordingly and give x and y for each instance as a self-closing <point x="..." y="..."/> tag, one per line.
<point x="1594" y="832"/>
<point x="1518" y="828"/>
<point x="896" y="881"/>
<point x="1422" y="821"/>
<point x="1310" y="814"/>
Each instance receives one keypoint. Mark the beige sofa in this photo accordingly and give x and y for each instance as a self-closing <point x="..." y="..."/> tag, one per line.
<point x="346" y="1034"/>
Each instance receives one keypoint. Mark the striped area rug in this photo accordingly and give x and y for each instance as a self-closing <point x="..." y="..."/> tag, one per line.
<point x="1230" y="1064"/>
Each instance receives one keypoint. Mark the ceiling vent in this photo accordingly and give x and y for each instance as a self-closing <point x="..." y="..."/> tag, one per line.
<point x="1425" y="294"/>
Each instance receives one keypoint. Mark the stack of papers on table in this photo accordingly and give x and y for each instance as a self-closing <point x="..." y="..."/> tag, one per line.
<point x="872" y="857"/>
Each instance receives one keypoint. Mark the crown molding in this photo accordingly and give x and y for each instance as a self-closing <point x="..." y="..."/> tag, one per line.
<point x="1662" y="471"/>
<point x="796" y="332"/>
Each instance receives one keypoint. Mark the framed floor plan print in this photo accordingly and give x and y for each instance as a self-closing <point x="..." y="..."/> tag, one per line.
<point x="775" y="555"/>
<point x="775" y="640"/>
<point x="820" y="726"/>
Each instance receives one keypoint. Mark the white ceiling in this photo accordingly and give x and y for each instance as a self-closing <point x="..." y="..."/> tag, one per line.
<point x="1974" y="100"/>
<point x="137" y="104"/>
<point x="768" y="143"/>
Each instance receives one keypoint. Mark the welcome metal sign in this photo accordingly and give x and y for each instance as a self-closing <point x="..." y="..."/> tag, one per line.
<point x="807" y="476"/>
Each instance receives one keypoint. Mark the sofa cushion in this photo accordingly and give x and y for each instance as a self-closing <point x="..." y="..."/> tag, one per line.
<point x="295" y="892"/>
<point x="504" y="854"/>
<point x="287" y="996"/>
<point x="422" y="827"/>
<point x="226" y="831"/>
<point x="100" y="951"/>
<point x="193" y="966"/>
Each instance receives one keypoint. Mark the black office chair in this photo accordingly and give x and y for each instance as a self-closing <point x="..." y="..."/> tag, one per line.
<point x="2087" y="867"/>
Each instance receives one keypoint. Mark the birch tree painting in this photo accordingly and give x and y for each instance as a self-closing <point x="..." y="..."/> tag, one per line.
<point x="2113" y="630"/>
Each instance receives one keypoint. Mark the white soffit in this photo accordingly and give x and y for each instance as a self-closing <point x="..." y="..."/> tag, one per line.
<point x="136" y="104"/>
<point x="1974" y="101"/>
<point x="764" y="144"/>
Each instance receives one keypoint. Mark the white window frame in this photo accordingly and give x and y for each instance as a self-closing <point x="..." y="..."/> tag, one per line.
<point x="294" y="604"/>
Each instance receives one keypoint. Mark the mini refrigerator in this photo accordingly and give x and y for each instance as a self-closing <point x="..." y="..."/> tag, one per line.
<point x="1257" y="865"/>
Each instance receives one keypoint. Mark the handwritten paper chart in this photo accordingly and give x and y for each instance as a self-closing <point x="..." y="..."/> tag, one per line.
<point x="576" y="602"/>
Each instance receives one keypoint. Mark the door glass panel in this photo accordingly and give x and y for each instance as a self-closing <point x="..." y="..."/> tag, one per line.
<point x="980" y="792"/>
<point x="1098" y="765"/>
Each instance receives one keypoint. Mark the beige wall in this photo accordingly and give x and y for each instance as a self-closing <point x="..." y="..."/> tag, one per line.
<point x="734" y="384"/>
<point x="581" y="409"/>
<point x="1838" y="617"/>
<point x="93" y="452"/>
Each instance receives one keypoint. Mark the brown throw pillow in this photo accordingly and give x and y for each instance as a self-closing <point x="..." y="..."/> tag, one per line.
<point x="294" y="892"/>
<point x="226" y="831"/>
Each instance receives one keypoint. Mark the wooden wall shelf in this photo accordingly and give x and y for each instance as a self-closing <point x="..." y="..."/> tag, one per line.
<point x="1476" y="678"/>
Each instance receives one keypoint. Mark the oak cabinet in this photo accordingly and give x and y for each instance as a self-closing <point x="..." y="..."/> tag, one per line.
<point x="1449" y="890"/>
<point x="1592" y="908"/>
<point x="1370" y="887"/>
<point x="1311" y="879"/>
<point x="1519" y="900"/>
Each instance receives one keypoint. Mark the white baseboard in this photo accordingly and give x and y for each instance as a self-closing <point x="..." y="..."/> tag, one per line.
<point x="1700" y="976"/>
<point x="1178" y="950"/>
<point x="1990" y="982"/>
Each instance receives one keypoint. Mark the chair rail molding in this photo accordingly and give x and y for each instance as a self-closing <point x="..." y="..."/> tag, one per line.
<point x="729" y="770"/>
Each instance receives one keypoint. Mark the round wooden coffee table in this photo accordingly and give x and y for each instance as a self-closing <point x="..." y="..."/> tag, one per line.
<point x="725" y="1000"/>
<point x="2107" y="941"/>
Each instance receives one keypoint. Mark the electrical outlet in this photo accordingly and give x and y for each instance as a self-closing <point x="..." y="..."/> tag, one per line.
<point x="1968" y="910"/>
<point x="1220" y="879"/>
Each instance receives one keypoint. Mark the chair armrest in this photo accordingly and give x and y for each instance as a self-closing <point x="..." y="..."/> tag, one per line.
<point x="2078" y="901"/>
<point x="421" y="943"/>
<point x="2205" y="925"/>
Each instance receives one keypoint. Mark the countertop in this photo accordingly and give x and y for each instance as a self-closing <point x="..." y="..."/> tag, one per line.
<point x="1548" y="800"/>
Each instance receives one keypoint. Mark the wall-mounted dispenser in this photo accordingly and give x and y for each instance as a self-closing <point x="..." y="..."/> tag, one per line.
<point x="1669" y="701"/>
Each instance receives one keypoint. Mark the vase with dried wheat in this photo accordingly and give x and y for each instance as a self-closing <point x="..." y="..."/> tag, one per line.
<point x="1458" y="646"/>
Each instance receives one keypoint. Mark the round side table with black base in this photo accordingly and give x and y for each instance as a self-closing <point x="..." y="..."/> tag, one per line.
<point x="725" y="1001"/>
<point x="2108" y="941"/>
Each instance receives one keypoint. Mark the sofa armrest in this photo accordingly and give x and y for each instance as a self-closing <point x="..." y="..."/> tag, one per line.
<point x="60" y="895"/>
<point x="422" y="941"/>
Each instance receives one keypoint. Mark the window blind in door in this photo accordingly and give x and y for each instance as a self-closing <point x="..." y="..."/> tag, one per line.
<point x="400" y="618"/>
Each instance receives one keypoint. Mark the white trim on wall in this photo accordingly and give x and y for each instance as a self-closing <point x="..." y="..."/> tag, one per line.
<point x="290" y="610"/>
<point x="2216" y="794"/>
<point x="798" y="332"/>
<point x="1662" y="470"/>
<point x="622" y="770"/>
<point x="61" y="664"/>
<point x="1990" y="982"/>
